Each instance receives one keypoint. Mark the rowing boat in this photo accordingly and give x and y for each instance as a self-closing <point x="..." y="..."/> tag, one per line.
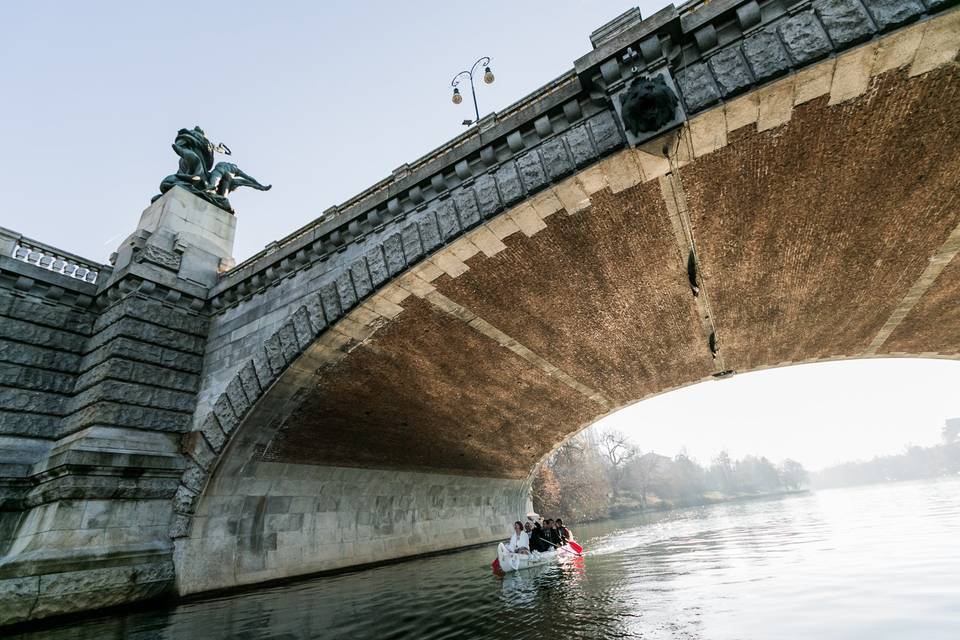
<point x="509" y="561"/>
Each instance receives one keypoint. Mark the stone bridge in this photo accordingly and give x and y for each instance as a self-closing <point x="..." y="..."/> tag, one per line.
<point x="380" y="383"/>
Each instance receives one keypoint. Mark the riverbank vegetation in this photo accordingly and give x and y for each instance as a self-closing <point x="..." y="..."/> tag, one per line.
<point x="599" y="475"/>
<point x="915" y="463"/>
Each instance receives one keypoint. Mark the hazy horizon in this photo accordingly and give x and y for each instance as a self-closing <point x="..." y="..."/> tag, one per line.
<point x="819" y="414"/>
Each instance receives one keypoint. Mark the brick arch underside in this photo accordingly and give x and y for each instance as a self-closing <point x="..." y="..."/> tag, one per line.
<point x="412" y="424"/>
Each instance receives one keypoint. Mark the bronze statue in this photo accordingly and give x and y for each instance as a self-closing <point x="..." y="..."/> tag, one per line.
<point x="198" y="175"/>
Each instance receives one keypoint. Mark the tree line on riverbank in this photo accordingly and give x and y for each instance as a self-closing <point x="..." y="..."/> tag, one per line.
<point x="915" y="463"/>
<point x="599" y="475"/>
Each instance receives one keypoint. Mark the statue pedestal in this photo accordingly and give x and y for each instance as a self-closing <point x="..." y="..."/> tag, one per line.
<point x="194" y="220"/>
<point x="182" y="234"/>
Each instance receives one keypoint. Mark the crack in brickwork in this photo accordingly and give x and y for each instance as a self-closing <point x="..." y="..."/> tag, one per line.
<point x="675" y="200"/>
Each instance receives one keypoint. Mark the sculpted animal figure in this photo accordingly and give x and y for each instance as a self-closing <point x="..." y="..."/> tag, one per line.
<point x="648" y="104"/>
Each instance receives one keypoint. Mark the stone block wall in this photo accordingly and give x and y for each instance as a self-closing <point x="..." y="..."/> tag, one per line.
<point x="42" y="339"/>
<point x="270" y="521"/>
<point x="95" y="507"/>
<point x="97" y="387"/>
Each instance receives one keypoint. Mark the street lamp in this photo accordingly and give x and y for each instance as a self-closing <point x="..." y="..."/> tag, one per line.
<point x="487" y="79"/>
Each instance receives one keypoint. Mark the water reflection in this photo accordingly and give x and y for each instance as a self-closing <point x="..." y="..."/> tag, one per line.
<point x="877" y="562"/>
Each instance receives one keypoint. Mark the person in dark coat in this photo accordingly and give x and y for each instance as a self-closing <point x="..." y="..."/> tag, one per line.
<point x="536" y="538"/>
<point x="565" y="534"/>
<point x="551" y="534"/>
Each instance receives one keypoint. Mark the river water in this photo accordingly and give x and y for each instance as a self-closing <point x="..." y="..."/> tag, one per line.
<point x="873" y="562"/>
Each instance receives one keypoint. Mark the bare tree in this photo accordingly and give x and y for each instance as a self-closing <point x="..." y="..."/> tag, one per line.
<point x="644" y="471"/>
<point x="617" y="451"/>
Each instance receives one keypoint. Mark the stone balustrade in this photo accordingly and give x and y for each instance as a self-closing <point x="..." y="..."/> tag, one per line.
<point x="47" y="257"/>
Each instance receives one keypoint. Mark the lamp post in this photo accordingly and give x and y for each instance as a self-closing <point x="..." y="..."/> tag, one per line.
<point x="487" y="79"/>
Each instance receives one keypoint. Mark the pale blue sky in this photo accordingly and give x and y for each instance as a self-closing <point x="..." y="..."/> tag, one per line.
<point x="323" y="99"/>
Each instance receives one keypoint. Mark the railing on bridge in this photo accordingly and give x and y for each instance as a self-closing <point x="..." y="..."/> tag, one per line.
<point x="46" y="257"/>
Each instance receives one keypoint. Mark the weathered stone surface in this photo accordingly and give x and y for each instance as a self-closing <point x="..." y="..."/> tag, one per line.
<point x="194" y="478"/>
<point x="303" y="329"/>
<point x="372" y="514"/>
<point x="261" y="366"/>
<point x="23" y="331"/>
<point x="35" y="379"/>
<point x="377" y="266"/>
<point x="180" y="525"/>
<point x="555" y="158"/>
<point x="846" y="21"/>
<point x="697" y="85"/>
<point x="606" y="132"/>
<point x="765" y="55"/>
<point x="429" y="230"/>
<point x="135" y="394"/>
<point x="196" y="447"/>
<point x="288" y="341"/>
<point x="467" y="208"/>
<point x="146" y="332"/>
<point x="509" y="183"/>
<point x="393" y="250"/>
<point x="360" y="276"/>
<point x="155" y="312"/>
<point x="32" y="401"/>
<point x="314" y="306"/>
<point x="130" y="349"/>
<point x="488" y="198"/>
<point x="531" y="171"/>
<point x="238" y="399"/>
<point x="17" y="598"/>
<point x="185" y="500"/>
<point x="213" y="433"/>
<point x="580" y="145"/>
<point x="15" y="423"/>
<point x="412" y="247"/>
<point x="893" y="13"/>
<point x="43" y="313"/>
<point x="125" y="415"/>
<point x="28" y="355"/>
<point x="250" y="381"/>
<point x="447" y="220"/>
<point x="345" y="290"/>
<point x="804" y="38"/>
<point x="275" y="357"/>
<point x="730" y="70"/>
<point x="140" y="372"/>
<point x="331" y="299"/>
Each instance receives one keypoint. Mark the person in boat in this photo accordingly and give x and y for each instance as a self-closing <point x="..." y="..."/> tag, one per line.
<point x="551" y="535"/>
<point x="519" y="541"/>
<point x="536" y="537"/>
<point x="565" y="535"/>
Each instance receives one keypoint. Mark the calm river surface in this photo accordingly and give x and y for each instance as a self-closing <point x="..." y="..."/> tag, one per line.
<point x="870" y="562"/>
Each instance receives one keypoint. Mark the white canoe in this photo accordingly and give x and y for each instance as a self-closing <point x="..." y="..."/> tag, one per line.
<point x="510" y="561"/>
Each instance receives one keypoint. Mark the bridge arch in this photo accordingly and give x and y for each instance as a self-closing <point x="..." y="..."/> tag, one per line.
<point x="794" y="224"/>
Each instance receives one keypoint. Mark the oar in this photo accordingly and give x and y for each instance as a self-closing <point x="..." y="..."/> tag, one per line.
<point x="573" y="545"/>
